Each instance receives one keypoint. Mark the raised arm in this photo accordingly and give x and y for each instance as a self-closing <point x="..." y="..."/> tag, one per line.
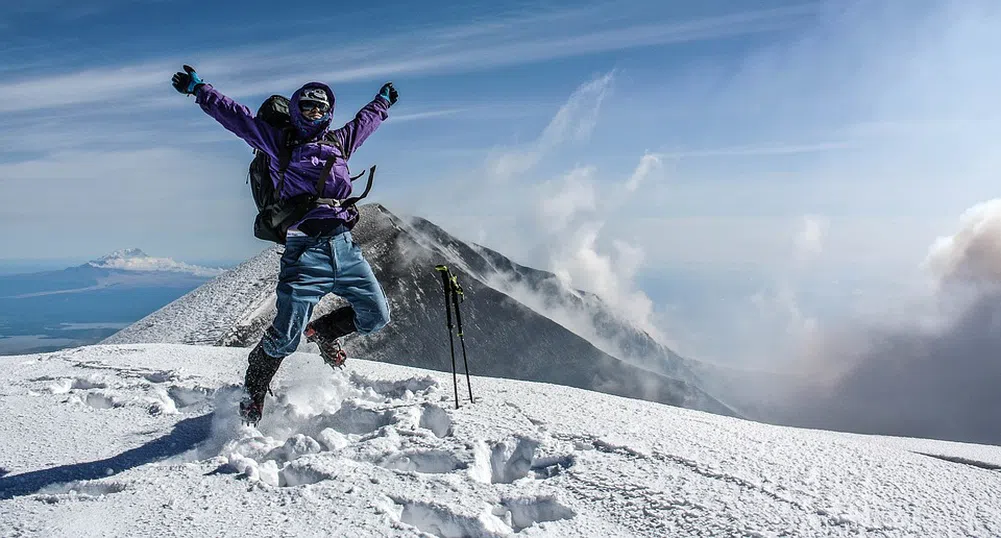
<point x="235" y="117"/>
<point x="368" y="119"/>
<point x="238" y="119"/>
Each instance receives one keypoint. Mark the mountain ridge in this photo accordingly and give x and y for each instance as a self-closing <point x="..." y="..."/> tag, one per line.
<point x="504" y="337"/>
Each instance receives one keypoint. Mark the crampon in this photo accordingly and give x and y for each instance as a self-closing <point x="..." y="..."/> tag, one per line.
<point x="330" y="348"/>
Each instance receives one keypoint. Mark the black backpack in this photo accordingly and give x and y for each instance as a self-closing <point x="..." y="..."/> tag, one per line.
<point x="274" y="214"/>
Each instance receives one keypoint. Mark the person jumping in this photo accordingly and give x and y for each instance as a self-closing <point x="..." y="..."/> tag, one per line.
<point x="320" y="255"/>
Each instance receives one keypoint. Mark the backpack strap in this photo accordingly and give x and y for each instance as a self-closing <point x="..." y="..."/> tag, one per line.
<point x="348" y="202"/>
<point x="355" y="199"/>
<point x="331" y="138"/>
<point x="322" y="180"/>
<point x="284" y="156"/>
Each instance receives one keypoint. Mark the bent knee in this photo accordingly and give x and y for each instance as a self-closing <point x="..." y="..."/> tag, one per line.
<point x="371" y="321"/>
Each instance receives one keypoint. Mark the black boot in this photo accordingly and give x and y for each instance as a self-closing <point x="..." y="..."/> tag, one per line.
<point x="326" y="332"/>
<point x="260" y="369"/>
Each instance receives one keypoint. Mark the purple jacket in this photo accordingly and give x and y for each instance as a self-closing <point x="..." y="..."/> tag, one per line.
<point x="308" y="160"/>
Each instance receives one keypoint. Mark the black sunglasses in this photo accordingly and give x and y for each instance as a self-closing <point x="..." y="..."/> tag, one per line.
<point x="309" y="105"/>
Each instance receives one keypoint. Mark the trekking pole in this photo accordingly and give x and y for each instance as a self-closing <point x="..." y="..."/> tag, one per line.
<point x="457" y="297"/>
<point x="446" y="286"/>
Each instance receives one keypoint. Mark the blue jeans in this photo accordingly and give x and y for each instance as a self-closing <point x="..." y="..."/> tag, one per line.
<point x="313" y="267"/>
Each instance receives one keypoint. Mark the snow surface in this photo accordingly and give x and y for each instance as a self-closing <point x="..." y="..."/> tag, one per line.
<point x="134" y="259"/>
<point x="142" y="440"/>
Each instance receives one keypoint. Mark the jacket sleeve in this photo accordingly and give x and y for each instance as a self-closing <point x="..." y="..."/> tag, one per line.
<point x="364" y="124"/>
<point x="239" y="120"/>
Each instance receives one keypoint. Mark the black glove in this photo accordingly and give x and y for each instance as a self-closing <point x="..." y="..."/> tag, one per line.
<point x="389" y="93"/>
<point x="188" y="81"/>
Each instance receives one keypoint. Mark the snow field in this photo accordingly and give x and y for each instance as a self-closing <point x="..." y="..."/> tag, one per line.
<point x="313" y="431"/>
<point x="143" y="440"/>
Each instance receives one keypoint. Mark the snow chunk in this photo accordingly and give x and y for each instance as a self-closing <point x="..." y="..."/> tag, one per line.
<point x="295" y="446"/>
<point x="437" y="420"/>
<point x="524" y="512"/>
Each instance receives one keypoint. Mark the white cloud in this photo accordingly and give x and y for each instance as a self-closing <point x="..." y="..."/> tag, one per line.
<point x="780" y="307"/>
<point x="810" y="237"/>
<point x="429" y="114"/>
<point x="93" y="85"/>
<point x="761" y="150"/>
<point x="973" y="254"/>
<point x="505" y="165"/>
<point x="561" y="202"/>
<point x="581" y="263"/>
<point x="500" y="46"/>
<point x="572" y="219"/>
<point x="576" y="119"/>
<point x="567" y="215"/>
<point x="527" y="39"/>
<point x="816" y="123"/>
<point x="920" y="364"/>
<point x="573" y="122"/>
<point x="648" y="165"/>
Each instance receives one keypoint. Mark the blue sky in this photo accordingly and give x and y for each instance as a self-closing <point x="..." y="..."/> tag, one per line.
<point x="718" y="166"/>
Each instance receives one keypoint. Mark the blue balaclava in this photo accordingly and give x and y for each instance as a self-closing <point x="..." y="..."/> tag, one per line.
<point x="313" y="92"/>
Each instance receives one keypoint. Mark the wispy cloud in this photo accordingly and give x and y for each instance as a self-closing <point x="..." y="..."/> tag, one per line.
<point x="556" y="221"/>
<point x="427" y="114"/>
<point x="568" y="224"/>
<point x="648" y="164"/>
<point x="761" y="150"/>
<point x="506" y="49"/>
<point x="431" y="51"/>
<point x="81" y="87"/>
<point x="571" y="216"/>
<point x="561" y="201"/>
<point x="573" y="122"/>
<point x="104" y="103"/>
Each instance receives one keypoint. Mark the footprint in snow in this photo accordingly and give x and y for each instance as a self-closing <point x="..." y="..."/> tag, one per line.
<point x="79" y="491"/>
<point x="64" y="385"/>
<point x="156" y="400"/>
<point x="163" y="376"/>
<point x="184" y="397"/>
<point x="406" y="389"/>
<point x="99" y="400"/>
<point x="507" y="461"/>
<point x="424" y="461"/>
<point x="396" y="425"/>
<point x="523" y="512"/>
<point x="509" y="516"/>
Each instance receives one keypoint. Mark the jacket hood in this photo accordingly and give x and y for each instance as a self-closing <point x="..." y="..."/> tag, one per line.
<point x="303" y="125"/>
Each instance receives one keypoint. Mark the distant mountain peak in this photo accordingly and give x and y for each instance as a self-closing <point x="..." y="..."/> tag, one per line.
<point x="122" y="254"/>
<point x="134" y="259"/>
